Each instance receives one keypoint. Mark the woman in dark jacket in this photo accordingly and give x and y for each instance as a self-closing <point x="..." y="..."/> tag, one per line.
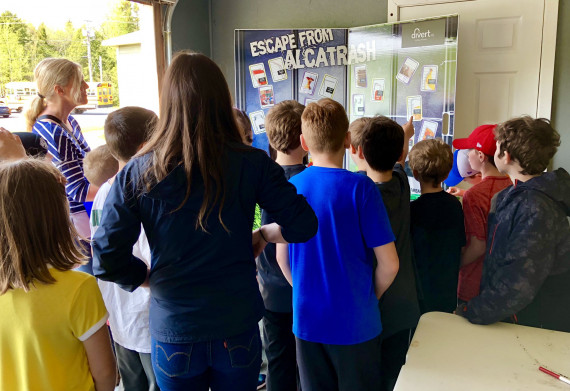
<point x="194" y="187"/>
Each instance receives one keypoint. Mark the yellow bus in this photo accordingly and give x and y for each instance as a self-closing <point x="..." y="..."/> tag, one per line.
<point x="104" y="95"/>
<point x="19" y="93"/>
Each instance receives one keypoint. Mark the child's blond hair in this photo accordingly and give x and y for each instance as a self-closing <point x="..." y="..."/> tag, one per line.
<point x="324" y="126"/>
<point x="283" y="125"/>
<point x="100" y="165"/>
<point x="356" y="130"/>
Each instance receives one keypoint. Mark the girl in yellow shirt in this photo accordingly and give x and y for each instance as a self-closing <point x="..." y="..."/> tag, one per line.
<point x="52" y="319"/>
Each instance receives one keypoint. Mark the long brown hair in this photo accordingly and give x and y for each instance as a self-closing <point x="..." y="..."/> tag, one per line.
<point x="196" y="122"/>
<point x="35" y="228"/>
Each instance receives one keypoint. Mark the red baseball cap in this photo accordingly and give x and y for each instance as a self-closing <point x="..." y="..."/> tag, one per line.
<point x="482" y="138"/>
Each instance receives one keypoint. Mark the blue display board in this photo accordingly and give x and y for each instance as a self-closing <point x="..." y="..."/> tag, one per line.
<point x="395" y="69"/>
<point x="276" y="65"/>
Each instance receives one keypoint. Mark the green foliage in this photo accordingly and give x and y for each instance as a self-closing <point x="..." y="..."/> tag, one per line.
<point x="22" y="46"/>
<point x="13" y="61"/>
<point x="257" y="217"/>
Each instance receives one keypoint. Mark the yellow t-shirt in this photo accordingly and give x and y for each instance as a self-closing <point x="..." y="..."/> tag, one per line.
<point x="41" y="333"/>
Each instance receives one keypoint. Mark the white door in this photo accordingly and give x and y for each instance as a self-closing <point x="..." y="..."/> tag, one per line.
<point x="505" y="56"/>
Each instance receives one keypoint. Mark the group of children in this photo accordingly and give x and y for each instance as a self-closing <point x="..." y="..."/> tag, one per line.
<point x="341" y="308"/>
<point x="348" y="277"/>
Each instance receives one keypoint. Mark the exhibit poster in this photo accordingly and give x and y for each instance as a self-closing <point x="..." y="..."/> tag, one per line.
<point x="378" y="90"/>
<point x="328" y="86"/>
<point x="398" y="70"/>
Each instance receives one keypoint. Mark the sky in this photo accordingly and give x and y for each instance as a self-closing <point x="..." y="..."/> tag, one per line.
<point x="55" y="13"/>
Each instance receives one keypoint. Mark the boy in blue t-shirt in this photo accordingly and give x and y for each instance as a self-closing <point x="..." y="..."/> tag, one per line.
<point x="336" y="287"/>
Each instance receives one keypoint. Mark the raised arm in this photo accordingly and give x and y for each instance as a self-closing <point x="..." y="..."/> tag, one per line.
<point x="408" y="134"/>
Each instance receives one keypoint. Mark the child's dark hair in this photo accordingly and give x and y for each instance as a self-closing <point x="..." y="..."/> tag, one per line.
<point x="126" y="129"/>
<point x="382" y="143"/>
<point x="431" y="160"/>
<point x="531" y="142"/>
<point x="283" y="125"/>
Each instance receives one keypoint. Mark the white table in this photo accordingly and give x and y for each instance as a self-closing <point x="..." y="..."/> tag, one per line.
<point x="449" y="353"/>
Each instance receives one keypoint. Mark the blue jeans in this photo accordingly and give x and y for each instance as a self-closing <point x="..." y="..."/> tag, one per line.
<point x="229" y="364"/>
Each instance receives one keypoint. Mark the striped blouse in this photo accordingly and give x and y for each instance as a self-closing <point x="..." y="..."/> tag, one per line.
<point x="68" y="153"/>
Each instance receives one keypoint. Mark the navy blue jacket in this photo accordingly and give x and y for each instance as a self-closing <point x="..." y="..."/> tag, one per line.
<point x="202" y="284"/>
<point x="526" y="273"/>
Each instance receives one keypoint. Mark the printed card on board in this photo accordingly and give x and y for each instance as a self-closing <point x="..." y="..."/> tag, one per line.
<point x="429" y="78"/>
<point x="266" y="97"/>
<point x="309" y="100"/>
<point x="257" y="121"/>
<point x="328" y="86"/>
<point x="309" y="82"/>
<point x="358" y="104"/>
<point x="277" y="68"/>
<point x="407" y="70"/>
<point x="414" y="107"/>
<point x="378" y="90"/>
<point x="429" y="130"/>
<point x="360" y="75"/>
<point x="258" y="76"/>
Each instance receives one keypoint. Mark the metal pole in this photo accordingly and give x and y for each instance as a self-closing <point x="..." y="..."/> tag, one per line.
<point x="168" y="31"/>
<point x="89" y="57"/>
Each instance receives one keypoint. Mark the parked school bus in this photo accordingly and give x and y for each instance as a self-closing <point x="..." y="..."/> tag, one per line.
<point x="19" y="93"/>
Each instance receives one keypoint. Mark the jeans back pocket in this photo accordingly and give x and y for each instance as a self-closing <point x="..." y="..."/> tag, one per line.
<point x="244" y="349"/>
<point x="173" y="359"/>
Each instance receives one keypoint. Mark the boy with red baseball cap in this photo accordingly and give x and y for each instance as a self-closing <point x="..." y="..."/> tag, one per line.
<point x="476" y="205"/>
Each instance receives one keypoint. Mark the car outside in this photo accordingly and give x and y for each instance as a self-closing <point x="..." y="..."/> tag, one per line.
<point x="4" y="110"/>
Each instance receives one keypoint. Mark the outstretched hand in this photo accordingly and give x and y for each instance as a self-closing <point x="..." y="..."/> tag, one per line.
<point x="409" y="129"/>
<point x="11" y="147"/>
<point x="456" y="191"/>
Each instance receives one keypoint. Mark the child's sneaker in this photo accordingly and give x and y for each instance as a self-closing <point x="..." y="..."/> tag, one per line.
<point x="261" y="381"/>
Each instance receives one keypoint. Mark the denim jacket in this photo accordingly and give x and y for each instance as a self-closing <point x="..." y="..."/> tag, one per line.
<point x="203" y="284"/>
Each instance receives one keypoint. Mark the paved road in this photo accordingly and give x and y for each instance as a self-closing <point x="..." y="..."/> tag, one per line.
<point x="91" y="123"/>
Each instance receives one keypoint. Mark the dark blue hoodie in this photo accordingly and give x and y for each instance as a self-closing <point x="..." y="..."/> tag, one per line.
<point x="526" y="274"/>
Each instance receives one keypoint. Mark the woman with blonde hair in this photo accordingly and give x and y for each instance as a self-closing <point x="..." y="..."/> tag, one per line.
<point x="52" y="319"/>
<point x="61" y="88"/>
<point x="194" y="187"/>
